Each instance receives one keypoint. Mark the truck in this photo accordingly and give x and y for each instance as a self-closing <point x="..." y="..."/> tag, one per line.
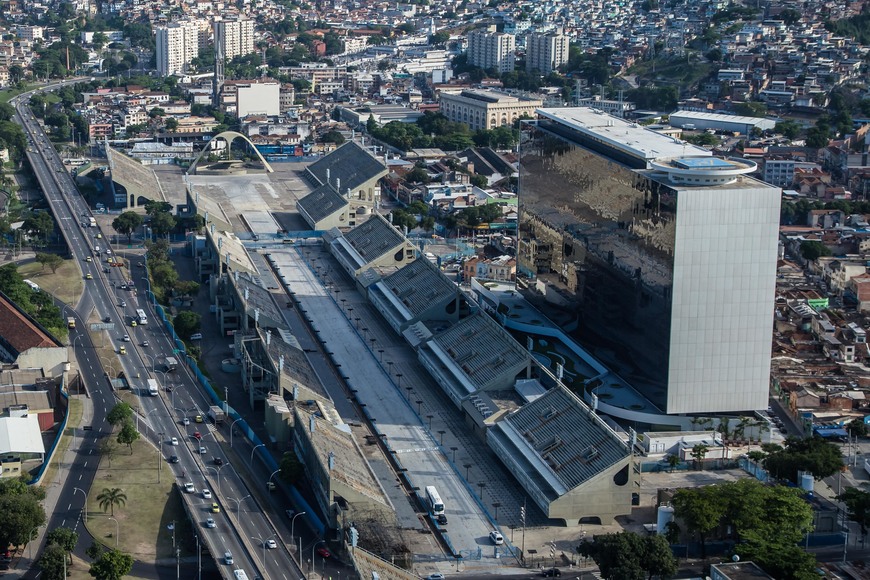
<point x="152" y="387"/>
<point x="70" y="322"/>
<point x="170" y="363"/>
<point x="216" y="414"/>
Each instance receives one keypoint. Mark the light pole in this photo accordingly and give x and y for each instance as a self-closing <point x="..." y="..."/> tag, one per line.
<point x="232" y="429"/>
<point x="293" y="525"/>
<point x="273" y="474"/>
<point x="263" y="543"/>
<point x="117" y="530"/>
<point x="159" y="454"/>
<point x="239" y="504"/>
<point x="254" y="450"/>
<point x="75" y="489"/>
<point x="217" y="471"/>
<point x="30" y="541"/>
<point x="312" y="550"/>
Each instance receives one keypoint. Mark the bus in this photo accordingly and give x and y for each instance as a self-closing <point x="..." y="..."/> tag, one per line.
<point x="141" y="317"/>
<point x="435" y="503"/>
<point x="240" y="574"/>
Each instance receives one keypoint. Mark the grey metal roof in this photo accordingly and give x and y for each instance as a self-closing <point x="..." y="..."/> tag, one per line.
<point x="374" y="237"/>
<point x="322" y="203"/>
<point x="484" y="351"/>
<point x="419" y="285"/>
<point x="568" y="437"/>
<point x="350" y="163"/>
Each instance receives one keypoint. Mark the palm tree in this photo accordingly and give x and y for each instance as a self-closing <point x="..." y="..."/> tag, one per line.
<point x="112" y="497"/>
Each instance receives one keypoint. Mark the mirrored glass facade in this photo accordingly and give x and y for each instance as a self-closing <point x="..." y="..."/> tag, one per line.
<point x="679" y="308"/>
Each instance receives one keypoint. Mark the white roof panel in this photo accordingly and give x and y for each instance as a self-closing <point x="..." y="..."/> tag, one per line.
<point x="21" y="435"/>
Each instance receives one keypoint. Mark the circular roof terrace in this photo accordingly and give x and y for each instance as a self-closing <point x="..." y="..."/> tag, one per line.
<point x="703" y="170"/>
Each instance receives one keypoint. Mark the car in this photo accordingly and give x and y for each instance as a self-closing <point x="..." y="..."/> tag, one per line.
<point x="123" y="286"/>
<point x="209" y="523"/>
<point x="140" y="264"/>
<point x="228" y="558"/>
<point x="218" y="461"/>
<point x="551" y="573"/>
<point x="133" y="323"/>
<point x="107" y="319"/>
<point x="323" y="552"/>
<point x="197" y="435"/>
<point x="271" y="544"/>
<point x="496" y="538"/>
<point x="441" y="519"/>
<point x="123" y="304"/>
<point x="126" y="338"/>
<point x="203" y="450"/>
<point x="435" y="577"/>
<point x="198" y="419"/>
<point x="122" y="350"/>
<point x="173" y="441"/>
<point x="215" y="508"/>
<point x="188" y="487"/>
<point x="88" y="276"/>
<point x="146" y="344"/>
<point x="108" y="250"/>
<point x="185" y="421"/>
<point x="105" y="270"/>
<point x="206" y="494"/>
<point x="173" y="459"/>
<point x="89" y="259"/>
<point x="99" y="236"/>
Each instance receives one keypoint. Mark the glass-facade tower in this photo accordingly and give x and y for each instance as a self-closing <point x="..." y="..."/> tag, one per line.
<point x="665" y="271"/>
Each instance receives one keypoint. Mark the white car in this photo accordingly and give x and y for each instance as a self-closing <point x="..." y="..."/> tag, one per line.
<point x="209" y="523"/>
<point x="202" y="451"/>
<point x="271" y="544"/>
<point x="185" y="421"/>
<point x="126" y="338"/>
<point x="173" y="441"/>
<point x="496" y="538"/>
<point x="206" y="494"/>
<point x="188" y="487"/>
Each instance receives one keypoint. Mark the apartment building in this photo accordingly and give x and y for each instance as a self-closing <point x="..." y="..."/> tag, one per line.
<point x="236" y="37"/>
<point x="546" y="52"/>
<point x="177" y="44"/>
<point x="488" y="48"/>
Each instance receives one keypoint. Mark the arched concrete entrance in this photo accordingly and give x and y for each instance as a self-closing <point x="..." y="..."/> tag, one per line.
<point x="229" y="137"/>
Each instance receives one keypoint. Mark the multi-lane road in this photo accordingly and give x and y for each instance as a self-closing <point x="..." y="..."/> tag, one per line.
<point x="241" y="526"/>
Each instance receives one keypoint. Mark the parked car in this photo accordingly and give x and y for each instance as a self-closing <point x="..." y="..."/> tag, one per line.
<point x="551" y="573"/>
<point x="441" y="519"/>
<point x="323" y="552"/>
<point x="496" y="538"/>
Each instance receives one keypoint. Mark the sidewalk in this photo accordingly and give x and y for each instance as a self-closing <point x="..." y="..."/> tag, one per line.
<point x="53" y="490"/>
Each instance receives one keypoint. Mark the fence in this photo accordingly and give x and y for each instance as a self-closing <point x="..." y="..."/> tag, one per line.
<point x="50" y="454"/>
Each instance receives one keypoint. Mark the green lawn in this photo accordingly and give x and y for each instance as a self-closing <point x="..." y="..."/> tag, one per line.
<point x="150" y="506"/>
<point x="74" y="420"/>
<point x="66" y="284"/>
<point x="79" y="571"/>
<point x="10" y="93"/>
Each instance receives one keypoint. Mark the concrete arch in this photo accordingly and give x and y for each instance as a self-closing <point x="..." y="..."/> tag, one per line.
<point x="229" y="137"/>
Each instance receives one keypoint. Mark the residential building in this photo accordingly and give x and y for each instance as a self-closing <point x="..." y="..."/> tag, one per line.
<point x="177" y="44"/>
<point x="258" y="98"/>
<point x="482" y="109"/>
<point x="546" y="52"/>
<point x="488" y="48"/>
<point x="689" y="316"/>
<point x="235" y="36"/>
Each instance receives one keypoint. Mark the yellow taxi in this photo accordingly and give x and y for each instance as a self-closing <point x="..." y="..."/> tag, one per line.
<point x="198" y="419"/>
<point x="99" y="236"/>
<point x="89" y="259"/>
<point x="215" y="508"/>
<point x="122" y="349"/>
<point x="133" y="323"/>
<point x="88" y="276"/>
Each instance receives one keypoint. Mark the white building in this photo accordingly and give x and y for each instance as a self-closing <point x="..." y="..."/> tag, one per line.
<point x="486" y="109"/>
<point x="177" y="44"/>
<point x="258" y="98"/>
<point x="718" y="122"/>
<point x="546" y="52"/>
<point x="780" y="172"/>
<point x="490" y="49"/>
<point x="235" y="36"/>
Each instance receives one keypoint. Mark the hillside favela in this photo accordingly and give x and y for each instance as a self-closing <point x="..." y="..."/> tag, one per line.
<point x="434" y="289"/>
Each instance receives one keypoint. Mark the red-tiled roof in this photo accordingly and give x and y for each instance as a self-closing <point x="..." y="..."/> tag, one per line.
<point x="19" y="331"/>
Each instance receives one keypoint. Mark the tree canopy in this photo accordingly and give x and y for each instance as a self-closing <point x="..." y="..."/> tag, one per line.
<point x="127" y="223"/>
<point x="20" y="511"/>
<point x="111" y="565"/>
<point x="813" y="454"/>
<point x="629" y="556"/>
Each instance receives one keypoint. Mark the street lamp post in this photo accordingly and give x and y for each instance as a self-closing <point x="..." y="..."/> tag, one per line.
<point x="159" y="454"/>
<point x="318" y="542"/>
<point x="239" y="504"/>
<point x="117" y="530"/>
<point x="263" y="543"/>
<point x="254" y="450"/>
<point x="273" y="474"/>
<point x="293" y="525"/>
<point x="232" y="429"/>
<point x="30" y="541"/>
<point x="75" y="489"/>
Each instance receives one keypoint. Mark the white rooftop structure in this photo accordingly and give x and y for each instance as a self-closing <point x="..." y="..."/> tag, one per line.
<point x="21" y="435"/>
<point x="625" y="136"/>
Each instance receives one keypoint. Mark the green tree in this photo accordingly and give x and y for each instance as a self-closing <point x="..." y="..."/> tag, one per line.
<point x="20" y="511"/>
<point x="629" y="556"/>
<point x="53" y="261"/>
<point x="108" y="450"/>
<point x="479" y="180"/>
<point x="40" y="224"/>
<point x="127" y="223"/>
<point x="789" y="129"/>
<point x="163" y="222"/>
<point x="701" y="509"/>
<point x="52" y="562"/>
<point x="171" y="124"/>
<point x="333" y="137"/>
<point x="292" y="469"/>
<point x="128" y="435"/>
<point x="121" y="413"/>
<point x="186" y="323"/>
<point x="818" y="136"/>
<point x="858" y="505"/>
<point x="371" y="125"/>
<point x="812" y="250"/>
<point x="111" y="565"/>
<point x="658" y="559"/>
<point x="673" y="461"/>
<point x="814" y="454"/>
<point x="417" y="175"/>
<point x="111" y="497"/>
<point x="858" y="427"/>
<point x="65" y="538"/>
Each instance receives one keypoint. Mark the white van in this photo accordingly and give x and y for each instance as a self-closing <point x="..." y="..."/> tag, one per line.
<point x="196" y="336"/>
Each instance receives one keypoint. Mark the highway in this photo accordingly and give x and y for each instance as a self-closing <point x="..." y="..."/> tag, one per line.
<point x="99" y="302"/>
